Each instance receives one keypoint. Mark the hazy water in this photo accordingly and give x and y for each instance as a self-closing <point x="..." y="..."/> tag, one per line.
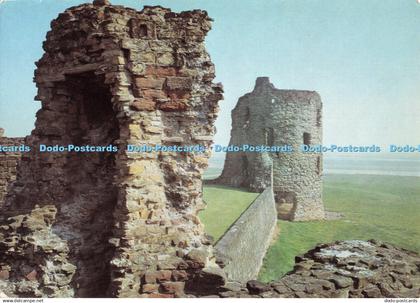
<point x="388" y="164"/>
<point x="371" y="166"/>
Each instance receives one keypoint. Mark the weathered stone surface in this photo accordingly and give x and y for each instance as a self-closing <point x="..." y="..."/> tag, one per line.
<point x="337" y="271"/>
<point x="114" y="223"/>
<point x="274" y="117"/>
<point x="256" y="287"/>
<point x="210" y="280"/>
<point x="9" y="162"/>
<point x="242" y="248"/>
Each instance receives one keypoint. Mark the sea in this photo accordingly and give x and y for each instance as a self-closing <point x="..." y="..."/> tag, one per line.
<point x="352" y="164"/>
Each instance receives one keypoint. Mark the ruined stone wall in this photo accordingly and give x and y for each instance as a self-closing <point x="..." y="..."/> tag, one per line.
<point x="242" y="248"/>
<point x="9" y="161"/>
<point x="343" y="269"/>
<point x="118" y="224"/>
<point x="274" y="117"/>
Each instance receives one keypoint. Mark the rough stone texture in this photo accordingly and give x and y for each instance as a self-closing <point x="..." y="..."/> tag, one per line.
<point x="344" y="269"/>
<point x="8" y="164"/>
<point x="275" y="117"/>
<point x="115" y="224"/>
<point x="242" y="248"/>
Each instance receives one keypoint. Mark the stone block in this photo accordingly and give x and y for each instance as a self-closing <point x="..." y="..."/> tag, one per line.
<point x="4" y="274"/>
<point x="176" y="288"/>
<point x="154" y="94"/>
<point x="163" y="275"/>
<point x="173" y="106"/>
<point x="179" y="83"/>
<point x="161" y="71"/>
<point x="179" y="275"/>
<point x="152" y="83"/>
<point x="136" y="168"/>
<point x="165" y="59"/>
<point x="150" y="288"/>
<point x="135" y="131"/>
<point x="143" y="105"/>
<point x="257" y="287"/>
<point x="198" y="256"/>
<point x="31" y="276"/>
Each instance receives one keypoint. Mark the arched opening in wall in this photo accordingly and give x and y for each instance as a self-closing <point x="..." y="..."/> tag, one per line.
<point x="85" y="217"/>
<point x="306" y="138"/>
<point x="269" y="136"/>
<point x="285" y="204"/>
<point x="143" y="31"/>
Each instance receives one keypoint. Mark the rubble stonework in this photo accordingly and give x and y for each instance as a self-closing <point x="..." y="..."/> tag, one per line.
<point x="118" y="224"/>
<point x="344" y="269"/>
<point x="277" y="117"/>
<point x="8" y="163"/>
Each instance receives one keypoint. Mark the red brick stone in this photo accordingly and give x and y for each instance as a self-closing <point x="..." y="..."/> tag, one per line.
<point x="154" y="94"/>
<point x="4" y="274"/>
<point x="143" y="105"/>
<point x="149" y="288"/>
<point x="149" y="83"/>
<point x="179" y="275"/>
<point x="163" y="275"/>
<point x="161" y="71"/>
<point x="176" y="288"/>
<point x="149" y="277"/>
<point x="31" y="276"/>
<point x="173" y="106"/>
<point x="179" y="95"/>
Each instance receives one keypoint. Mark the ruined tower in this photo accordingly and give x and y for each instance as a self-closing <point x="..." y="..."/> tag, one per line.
<point x="113" y="222"/>
<point x="275" y="117"/>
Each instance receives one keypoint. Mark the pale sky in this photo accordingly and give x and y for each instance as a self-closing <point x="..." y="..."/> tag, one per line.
<point x="361" y="56"/>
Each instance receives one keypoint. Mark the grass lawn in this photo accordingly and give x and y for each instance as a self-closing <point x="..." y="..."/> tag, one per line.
<point x="385" y="208"/>
<point x="224" y="206"/>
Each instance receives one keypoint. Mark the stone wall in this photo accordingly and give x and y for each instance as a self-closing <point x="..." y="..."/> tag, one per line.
<point x="116" y="224"/>
<point x="8" y="164"/>
<point x="275" y="117"/>
<point x="343" y="269"/>
<point x="243" y="247"/>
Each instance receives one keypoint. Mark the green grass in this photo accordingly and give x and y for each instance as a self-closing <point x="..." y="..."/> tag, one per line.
<point x="385" y="208"/>
<point x="224" y="206"/>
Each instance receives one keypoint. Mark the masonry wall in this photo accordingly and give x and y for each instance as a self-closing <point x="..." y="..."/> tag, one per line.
<point x="8" y="165"/>
<point x="244" y="245"/>
<point x="115" y="224"/>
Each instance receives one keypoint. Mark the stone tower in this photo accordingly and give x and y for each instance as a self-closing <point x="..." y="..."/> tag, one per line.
<point x="115" y="223"/>
<point x="275" y="117"/>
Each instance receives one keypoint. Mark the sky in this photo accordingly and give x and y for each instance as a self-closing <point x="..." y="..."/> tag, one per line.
<point x="361" y="56"/>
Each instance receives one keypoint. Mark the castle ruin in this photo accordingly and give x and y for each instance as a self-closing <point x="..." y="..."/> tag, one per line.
<point x="115" y="223"/>
<point x="124" y="224"/>
<point x="276" y="117"/>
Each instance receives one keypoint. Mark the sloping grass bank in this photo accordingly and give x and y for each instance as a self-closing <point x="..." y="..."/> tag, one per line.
<point x="224" y="206"/>
<point x="385" y="208"/>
